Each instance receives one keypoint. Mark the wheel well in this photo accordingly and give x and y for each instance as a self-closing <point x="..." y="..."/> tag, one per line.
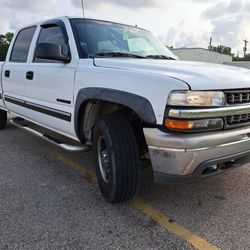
<point x="91" y="110"/>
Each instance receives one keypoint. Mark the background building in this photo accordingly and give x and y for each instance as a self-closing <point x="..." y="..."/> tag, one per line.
<point x="202" y="55"/>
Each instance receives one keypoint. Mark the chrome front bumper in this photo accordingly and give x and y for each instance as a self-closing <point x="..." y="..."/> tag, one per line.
<point x="183" y="155"/>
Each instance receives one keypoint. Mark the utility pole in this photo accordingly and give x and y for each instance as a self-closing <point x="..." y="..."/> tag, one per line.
<point x="210" y="43"/>
<point x="83" y="9"/>
<point x="245" y="47"/>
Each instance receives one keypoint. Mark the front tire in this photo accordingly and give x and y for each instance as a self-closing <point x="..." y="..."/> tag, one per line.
<point x="3" y="119"/>
<point x="117" y="158"/>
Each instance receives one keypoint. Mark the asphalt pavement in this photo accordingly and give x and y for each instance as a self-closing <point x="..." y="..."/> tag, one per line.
<point x="49" y="199"/>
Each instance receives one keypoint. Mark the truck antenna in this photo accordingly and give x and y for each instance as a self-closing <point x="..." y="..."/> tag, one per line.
<point x="83" y="9"/>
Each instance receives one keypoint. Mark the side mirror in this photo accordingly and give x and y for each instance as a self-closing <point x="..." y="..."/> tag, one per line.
<point x="51" y="51"/>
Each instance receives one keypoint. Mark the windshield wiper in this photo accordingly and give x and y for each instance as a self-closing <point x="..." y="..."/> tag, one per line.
<point x="118" y="54"/>
<point x="160" y="57"/>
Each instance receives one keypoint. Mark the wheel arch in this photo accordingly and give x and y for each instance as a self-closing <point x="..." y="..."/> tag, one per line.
<point x="140" y="105"/>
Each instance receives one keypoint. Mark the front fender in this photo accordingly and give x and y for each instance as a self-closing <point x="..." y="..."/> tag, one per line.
<point x="138" y="104"/>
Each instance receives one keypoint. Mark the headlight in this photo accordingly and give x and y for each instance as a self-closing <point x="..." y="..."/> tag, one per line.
<point x="196" y="98"/>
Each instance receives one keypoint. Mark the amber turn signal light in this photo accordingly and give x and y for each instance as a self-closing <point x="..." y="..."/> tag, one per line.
<point x="195" y="125"/>
<point x="177" y="124"/>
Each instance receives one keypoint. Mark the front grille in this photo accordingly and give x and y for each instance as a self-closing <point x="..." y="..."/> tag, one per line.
<point x="238" y="97"/>
<point x="238" y="119"/>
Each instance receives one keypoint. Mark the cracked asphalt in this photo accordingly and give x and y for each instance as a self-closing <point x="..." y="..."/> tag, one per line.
<point x="46" y="204"/>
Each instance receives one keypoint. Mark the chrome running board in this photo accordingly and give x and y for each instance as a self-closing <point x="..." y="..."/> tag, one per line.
<point x="19" y="122"/>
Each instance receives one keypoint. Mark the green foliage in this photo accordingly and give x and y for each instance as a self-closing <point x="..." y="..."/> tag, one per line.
<point x="4" y="44"/>
<point x="223" y="49"/>
<point x="246" y="58"/>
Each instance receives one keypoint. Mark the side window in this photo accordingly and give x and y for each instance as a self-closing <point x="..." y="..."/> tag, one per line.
<point x="21" y="46"/>
<point x="52" y="34"/>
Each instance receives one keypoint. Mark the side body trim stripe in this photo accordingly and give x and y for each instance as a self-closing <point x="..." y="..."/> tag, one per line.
<point x="39" y="108"/>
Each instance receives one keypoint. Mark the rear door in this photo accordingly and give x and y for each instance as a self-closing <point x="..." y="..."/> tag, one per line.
<point x="14" y="71"/>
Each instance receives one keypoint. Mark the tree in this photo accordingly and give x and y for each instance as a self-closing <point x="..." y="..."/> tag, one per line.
<point x="246" y="58"/>
<point x="223" y="49"/>
<point x="4" y="44"/>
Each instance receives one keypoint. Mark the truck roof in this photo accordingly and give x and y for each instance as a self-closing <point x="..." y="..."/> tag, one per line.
<point x="106" y="21"/>
<point x="71" y="17"/>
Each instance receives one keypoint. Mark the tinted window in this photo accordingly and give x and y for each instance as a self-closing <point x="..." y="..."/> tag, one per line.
<point x="52" y="35"/>
<point x="21" y="47"/>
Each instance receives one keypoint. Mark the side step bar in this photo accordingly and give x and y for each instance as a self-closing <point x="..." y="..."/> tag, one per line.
<point x="18" y="122"/>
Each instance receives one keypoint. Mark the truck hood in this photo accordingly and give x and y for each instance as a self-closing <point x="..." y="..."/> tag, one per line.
<point x="199" y="76"/>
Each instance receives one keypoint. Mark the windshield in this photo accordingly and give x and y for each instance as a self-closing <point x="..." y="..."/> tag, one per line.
<point x="104" y="39"/>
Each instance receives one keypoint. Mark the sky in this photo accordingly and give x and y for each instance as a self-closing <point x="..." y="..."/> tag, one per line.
<point x="178" y="23"/>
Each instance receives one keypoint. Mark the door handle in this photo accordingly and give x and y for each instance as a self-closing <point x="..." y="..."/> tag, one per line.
<point x="7" y="73"/>
<point x="30" y="75"/>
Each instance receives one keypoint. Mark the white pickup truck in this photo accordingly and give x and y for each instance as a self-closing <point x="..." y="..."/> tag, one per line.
<point x="116" y="88"/>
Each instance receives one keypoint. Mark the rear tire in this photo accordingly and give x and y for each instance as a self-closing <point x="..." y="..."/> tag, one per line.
<point x="3" y="119"/>
<point x="117" y="158"/>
